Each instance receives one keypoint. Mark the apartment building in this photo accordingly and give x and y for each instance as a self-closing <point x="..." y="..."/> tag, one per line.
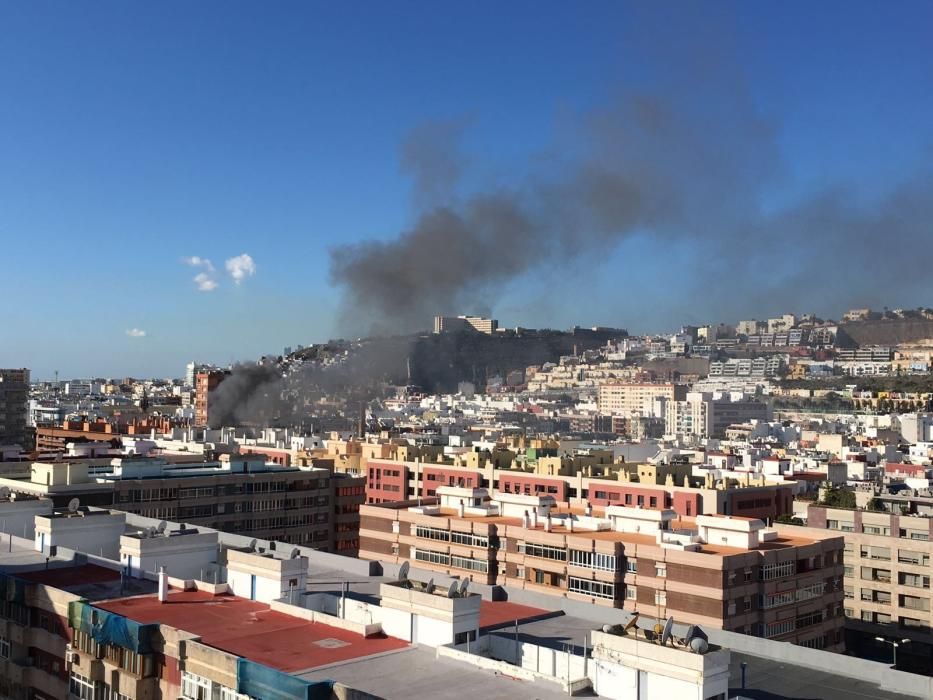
<point x="242" y="494"/>
<point x="450" y="324"/>
<point x="204" y="385"/>
<point x="705" y="414"/>
<point x="727" y="572"/>
<point x="887" y="580"/>
<point x="636" y="399"/>
<point x="14" y="406"/>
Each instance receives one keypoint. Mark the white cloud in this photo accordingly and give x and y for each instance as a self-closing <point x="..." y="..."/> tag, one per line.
<point x="240" y="267"/>
<point x="205" y="282"/>
<point x="198" y="261"/>
<point x="136" y="333"/>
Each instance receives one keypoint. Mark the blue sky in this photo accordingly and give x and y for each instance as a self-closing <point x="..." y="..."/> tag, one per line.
<point x="133" y="135"/>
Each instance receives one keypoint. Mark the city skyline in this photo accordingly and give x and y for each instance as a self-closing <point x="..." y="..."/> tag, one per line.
<point x="190" y="180"/>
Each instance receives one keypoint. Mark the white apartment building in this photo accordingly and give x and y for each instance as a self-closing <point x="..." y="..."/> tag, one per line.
<point x="631" y="399"/>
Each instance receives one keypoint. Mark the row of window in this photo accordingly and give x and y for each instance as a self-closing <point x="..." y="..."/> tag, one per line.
<point x="593" y="560"/>
<point x="885" y="531"/>
<point x="542" y="551"/>
<point x="596" y="589"/>
<point x="769" y="572"/>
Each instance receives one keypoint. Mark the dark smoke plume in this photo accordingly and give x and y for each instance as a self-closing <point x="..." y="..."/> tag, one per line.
<point x="683" y="154"/>
<point x="251" y="393"/>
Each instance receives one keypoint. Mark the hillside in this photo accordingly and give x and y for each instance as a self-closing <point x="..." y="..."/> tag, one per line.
<point x="889" y="331"/>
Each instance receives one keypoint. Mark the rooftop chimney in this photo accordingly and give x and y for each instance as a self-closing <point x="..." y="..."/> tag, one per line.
<point x="547" y="523"/>
<point x="460" y="509"/>
<point x="163" y="585"/>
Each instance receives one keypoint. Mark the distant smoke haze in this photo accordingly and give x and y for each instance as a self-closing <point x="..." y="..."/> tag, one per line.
<point x="681" y="155"/>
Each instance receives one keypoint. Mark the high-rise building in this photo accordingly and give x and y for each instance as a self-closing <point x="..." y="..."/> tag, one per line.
<point x="448" y="324"/>
<point x="205" y="383"/>
<point x="636" y="399"/>
<point x="14" y="406"/>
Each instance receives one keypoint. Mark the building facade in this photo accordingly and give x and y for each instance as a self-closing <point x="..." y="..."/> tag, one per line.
<point x="729" y="572"/>
<point x="636" y="399"/>
<point x="886" y="580"/>
<point x="204" y="385"/>
<point x="14" y="406"/>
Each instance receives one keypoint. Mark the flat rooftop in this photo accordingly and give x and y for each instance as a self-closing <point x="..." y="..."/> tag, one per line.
<point x="494" y="614"/>
<point x="253" y="631"/>
<point x="782" y="541"/>
<point x="416" y="672"/>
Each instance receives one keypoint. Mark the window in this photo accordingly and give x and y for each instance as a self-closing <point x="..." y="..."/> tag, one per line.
<point x="631" y="566"/>
<point x="432" y="533"/>
<point x="876" y="530"/>
<point x="4" y="648"/>
<point x="542" y="551"/>
<point x="914" y="534"/>
<point x="469" y="540"/>
<point x="814" y="590"/>
<point x="597" y="589"/>
<point x="81" y="687"/>
<point x="776" y="629"/>
<point x="913" y="580"/>
<point x="432" y="557"/>
<point x="746" y="604"/>
<point x="814" y="643"/>
<point x="592" y="560"/>
<point x="660" y="570"/>
<point x="748" y="575"/>
<point x="813" y="618"/>
<point x="777" y="600"/>
<point x="195" y="687"/>
<point x="770" y="572"/>
<point x="907" y="556"/>
<point x="631" y="593"/>
<point x="660" y="597"/>
<point x="471" y="564"/>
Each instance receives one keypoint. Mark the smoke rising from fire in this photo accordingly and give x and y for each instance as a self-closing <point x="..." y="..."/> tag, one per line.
<point x="681" y="154"/>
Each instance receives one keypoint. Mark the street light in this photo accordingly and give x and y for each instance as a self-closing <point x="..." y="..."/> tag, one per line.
<point x="894" y="646"/>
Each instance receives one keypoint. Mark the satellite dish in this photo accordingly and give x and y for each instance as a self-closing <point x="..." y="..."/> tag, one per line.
<point x="73" y="505"/>
<point x="252" y="545"/>
<point x="295" y="553"/>
<point x="698" y="645"/>
<point x="4" y="491"/>
<point x="453" y="589"/>
<point x="632" y="623"/>
<point x="464" y="584"/>
<point x="429" y="586"/>
<point x="403" y="572"/>
<point x="668" y="628"/>
<point x="160" y="528"/>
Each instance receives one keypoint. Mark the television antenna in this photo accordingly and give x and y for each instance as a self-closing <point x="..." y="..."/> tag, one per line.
<point x="295" y="553"/>
<point x="464" y="584"/>
<point x="429" y="586"/>
<point x="631" y="624"/>
<point x="252" y="545"/>
<point x="4" y="491"/>
<point x="160" y="528"/>
<point x="403" y="572"/>
<point x="453" y="589"/>
<point x="73" y="505"/>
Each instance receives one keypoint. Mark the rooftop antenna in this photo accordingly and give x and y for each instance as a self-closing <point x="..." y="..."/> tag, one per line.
<point x="429" y="586"/>
<point x="403" y="572"/>
<point x="464" y="584"/>
<point x="453" y="589"/>
<point x="4" y="492"/>
<point x="668" y="628"/>
<point x="73" y="505"/>
<point x="295" y="553"/>
<point x="160" y="528"/>
<point x="632" y="624"/>
<point x="252" y="545"/>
